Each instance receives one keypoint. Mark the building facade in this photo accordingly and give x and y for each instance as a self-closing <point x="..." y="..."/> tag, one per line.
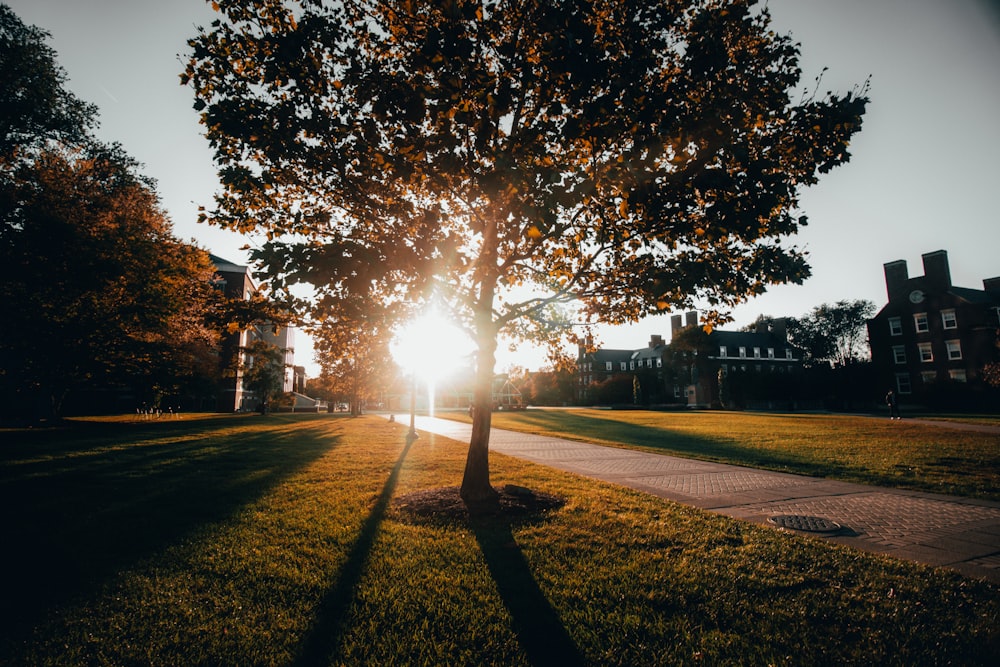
<point x="932" y="339"/>
<point x="746" y="369"/>
<point x="696" y="369"/>
<point x="236" y="281"/>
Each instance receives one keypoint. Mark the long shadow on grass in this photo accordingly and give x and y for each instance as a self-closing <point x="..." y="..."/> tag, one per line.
<point x="539" y="629"/>
<point x="329" y="625"/>
<point x="81" y="504"/>
<point x="678" y="443"/>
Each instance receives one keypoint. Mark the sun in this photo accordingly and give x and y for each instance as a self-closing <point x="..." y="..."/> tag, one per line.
<point x="432" y="347"/>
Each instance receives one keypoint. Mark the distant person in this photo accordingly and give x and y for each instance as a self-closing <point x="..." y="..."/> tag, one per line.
<point x="892" y="401"/>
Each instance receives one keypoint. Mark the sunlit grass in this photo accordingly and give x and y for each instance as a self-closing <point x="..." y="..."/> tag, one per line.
<point x="882" y="452"/>
<point x="274" y="541"/>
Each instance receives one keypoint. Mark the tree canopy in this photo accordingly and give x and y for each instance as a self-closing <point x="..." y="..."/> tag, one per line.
<point x="504" y="157"/>
<point x="96" y="290"/>
<point x="834" y="334"/>
<point x="34" y="103"/>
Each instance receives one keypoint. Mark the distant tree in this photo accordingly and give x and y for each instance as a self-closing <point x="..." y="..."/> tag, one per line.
<point x="35" y="106"/>
<point x="834" y="334"/>
<point x="353" y="353"/>
<point x="627" y="157"/>
<point x="263" y="371"/>
<point x="724" y="389"/>
<point x="551" y="386"/>
<point x="96" y="291"/>
<point x="991" y="374"/>
<point x="615" y="390"/>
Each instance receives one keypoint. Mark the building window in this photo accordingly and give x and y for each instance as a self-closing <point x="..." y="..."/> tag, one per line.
<point x="899" y="354"/>
<point x="608" y="366"/>
<point x="743" y="353"/>
<point x="623" y="365"/>
<point x="903" y="383"/>
<point x="948" y="319"/>
<point x="756" y="353"/>
<point x="722" y="351"/>
<point x="928" y="377"/>
<point x="920" y="322"/>
<point x="957" y="374"/>
<point x="649" y="363"/>
<point x="631" y="365"/>
<point x="788" y="354"/>
<point x="926" y="354"/>
<point x="659" y="362"/>
<point x="770" y="353"/>
<point x="954" y="349"/>
<point x="895" y="326"/>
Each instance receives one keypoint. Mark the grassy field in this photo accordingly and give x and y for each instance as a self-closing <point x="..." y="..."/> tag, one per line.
<point x="903" y="454"/>
<point x="277" y="541"/>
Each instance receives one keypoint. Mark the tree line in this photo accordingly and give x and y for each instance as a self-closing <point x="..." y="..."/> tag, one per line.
<point x="99" y="298"/>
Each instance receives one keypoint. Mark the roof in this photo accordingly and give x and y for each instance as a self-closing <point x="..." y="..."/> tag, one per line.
<point x="226" y="265"/>
<point x="611" y="355"/>
<point x="747" y="339"/>
<point x="973" y="295"/>
<point x="648" y="352"/>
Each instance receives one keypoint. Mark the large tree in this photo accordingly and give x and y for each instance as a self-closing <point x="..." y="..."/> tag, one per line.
<point x="352" y="349"/>
<point x="96" y="290"/>
<point x="834" y="334"/>
<point x="35" y="107"/>
<point x="502" y="157"/>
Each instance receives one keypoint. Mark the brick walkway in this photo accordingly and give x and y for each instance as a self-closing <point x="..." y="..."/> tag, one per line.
<point x="959" y="533"/>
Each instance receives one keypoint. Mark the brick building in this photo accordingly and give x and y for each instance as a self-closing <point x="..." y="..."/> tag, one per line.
<point x="759" y="368"/>
<point x="932" y="339"/>
<point x="237" y="282"/>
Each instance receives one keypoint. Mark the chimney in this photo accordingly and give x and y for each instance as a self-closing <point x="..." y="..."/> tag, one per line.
<point x="675" y="324"/>
<point x="691" y="318"/>
<point x="762" y="326"/>
<point x="936" y="270"/>
<point x="655" y="341"/>
<point x="780" y="329"/>
<point x="896" y="276"/>
<point x="992" y="285"/>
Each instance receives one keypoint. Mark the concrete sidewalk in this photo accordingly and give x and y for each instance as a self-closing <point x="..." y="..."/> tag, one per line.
<point x="959" y="533"/>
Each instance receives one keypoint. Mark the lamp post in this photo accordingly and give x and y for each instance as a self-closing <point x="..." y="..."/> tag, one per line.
<point x="427" y="348"/>
<point x="412" y="435"/>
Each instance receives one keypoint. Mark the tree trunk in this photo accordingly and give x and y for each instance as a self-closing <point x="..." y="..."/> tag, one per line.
<point x="479" y="495"/>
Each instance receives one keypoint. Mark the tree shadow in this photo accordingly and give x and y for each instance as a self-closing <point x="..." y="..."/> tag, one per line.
<point x="79" y="505"/>
<point x="536" y="623"/>
<point x="329" y="624"/>
<point x="678" y="443"/>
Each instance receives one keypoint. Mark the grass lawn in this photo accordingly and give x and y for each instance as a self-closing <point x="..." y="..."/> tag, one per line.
<point x="249" y="540"/>
<point x="869" y="450"/>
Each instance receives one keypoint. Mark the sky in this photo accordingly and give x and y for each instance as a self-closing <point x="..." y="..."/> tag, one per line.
<point x="924" y="173"/>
